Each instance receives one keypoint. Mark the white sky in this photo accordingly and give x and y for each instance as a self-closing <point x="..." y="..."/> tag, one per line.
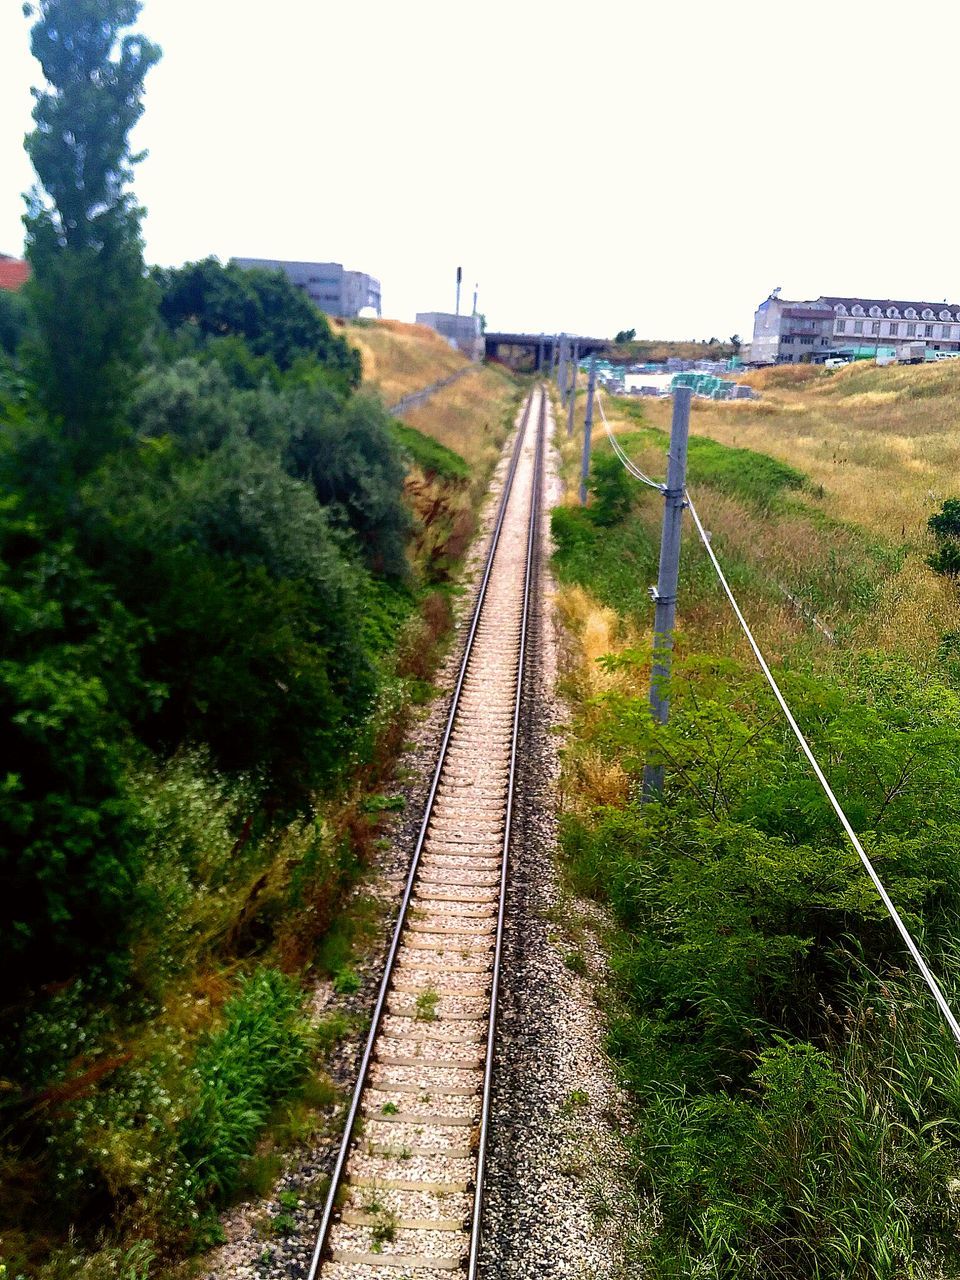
<point x="595" y="166"/>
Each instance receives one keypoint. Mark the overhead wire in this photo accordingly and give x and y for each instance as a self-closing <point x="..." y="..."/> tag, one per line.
<point x="805" y="747"/>
<point x="619" y="451"/>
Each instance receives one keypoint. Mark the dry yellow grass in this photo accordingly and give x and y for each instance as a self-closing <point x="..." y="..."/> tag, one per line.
<point x="596" y="629"/>
<point x="883" y="443"/>
<point x="399" y="358"/>
<point x="470" y="416"/>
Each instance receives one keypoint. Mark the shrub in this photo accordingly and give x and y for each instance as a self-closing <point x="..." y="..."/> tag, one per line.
<point x="261" y="1051"/>
<point x="350" y="457"/>
<point x="613" y="490"/>
<point x="273" y="317"/>
<point x="253" y="610"/>
<point x="70" y="832"/>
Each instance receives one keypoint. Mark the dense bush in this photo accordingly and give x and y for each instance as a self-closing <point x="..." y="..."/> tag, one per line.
<point x="352" y="461"/>
<point x="738" y="902"/>
<point x="69" y="833"/>
<point x="945" y="527"/>
<point x="271" y="315"/>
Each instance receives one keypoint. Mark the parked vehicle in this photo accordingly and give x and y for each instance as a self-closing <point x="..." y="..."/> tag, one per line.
<point x="912" y="353"/>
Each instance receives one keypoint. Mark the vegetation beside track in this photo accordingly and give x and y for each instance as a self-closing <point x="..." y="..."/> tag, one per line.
<point x="797" y="1095"/>
<point x="225" y="579"/>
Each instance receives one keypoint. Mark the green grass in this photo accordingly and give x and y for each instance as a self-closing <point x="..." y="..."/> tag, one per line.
<point x="262" y="1049"/>
<point x="429" y="454"/>
<point x="742" y="473"/>
<point x="617" y="564"/>
<point x="797" y="1097"/>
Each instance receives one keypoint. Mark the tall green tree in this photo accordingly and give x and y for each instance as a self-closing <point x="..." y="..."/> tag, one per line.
<point x="89" y="291"/>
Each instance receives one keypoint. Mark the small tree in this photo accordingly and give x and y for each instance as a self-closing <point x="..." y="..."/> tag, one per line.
<point x="88" y="289"/>
<point x="945" y="527"/>
<point x="625" y="335"/>
<point x="736" y="342"/>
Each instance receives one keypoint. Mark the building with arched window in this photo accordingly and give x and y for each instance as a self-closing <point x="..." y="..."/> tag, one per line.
<point x="787" y="332"/>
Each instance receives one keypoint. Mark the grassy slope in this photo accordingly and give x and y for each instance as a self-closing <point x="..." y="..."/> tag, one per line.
<point x="399" y="358"/>
<point x="878" y="450"/>
<point x="453" y="440"/>
<point x="881" y="450"/>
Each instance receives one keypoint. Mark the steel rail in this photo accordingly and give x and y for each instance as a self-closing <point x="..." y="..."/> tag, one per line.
<point x="350" y="1123"/>
<point x="528" y="591"/>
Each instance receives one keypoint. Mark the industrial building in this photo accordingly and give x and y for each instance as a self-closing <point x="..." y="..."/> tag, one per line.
<point x="337" y="292"/>
<point x="787" y="332"/>
<point x="462" y="332"/>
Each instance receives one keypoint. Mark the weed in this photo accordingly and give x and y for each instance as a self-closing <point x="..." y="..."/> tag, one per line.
<point x="575" y="962"/>
<point x="384" y="1229"/>
<point x="575" y="1101"/>
<point x="389" y="1109"/>
<point x="426" y="1005"/>
<point x="347" y="982"/>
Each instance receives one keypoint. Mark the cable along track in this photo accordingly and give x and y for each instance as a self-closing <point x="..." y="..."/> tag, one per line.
<point x="406" y="1190"/>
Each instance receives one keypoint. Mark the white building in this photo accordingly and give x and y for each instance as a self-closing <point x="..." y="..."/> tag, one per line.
<point x="335" y="291"/>
<point x="786" y="332"/>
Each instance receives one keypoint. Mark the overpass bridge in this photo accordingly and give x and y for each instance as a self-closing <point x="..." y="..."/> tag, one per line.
<point x="537" y="351"/>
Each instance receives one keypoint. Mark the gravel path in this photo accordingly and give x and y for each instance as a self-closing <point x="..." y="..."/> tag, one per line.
<point x="555" y="1191"/>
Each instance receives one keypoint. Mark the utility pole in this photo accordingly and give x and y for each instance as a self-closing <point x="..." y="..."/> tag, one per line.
<point x="665" y="592"/>
<point x="588" y="429"/>
<point x="572" y="408"/>
<point x="459" y="279"/>
<point x="562" y="370"/>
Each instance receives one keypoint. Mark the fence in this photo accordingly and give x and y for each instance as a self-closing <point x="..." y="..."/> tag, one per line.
<point x="417" y="398"/>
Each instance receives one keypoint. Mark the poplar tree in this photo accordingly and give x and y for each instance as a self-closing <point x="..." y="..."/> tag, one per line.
<point x="91" y="298"/>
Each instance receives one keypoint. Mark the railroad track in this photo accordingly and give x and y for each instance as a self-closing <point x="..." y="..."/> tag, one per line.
<point x="406" y="1192"/>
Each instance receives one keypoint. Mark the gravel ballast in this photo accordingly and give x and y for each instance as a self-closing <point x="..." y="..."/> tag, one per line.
<point x="554" y="1157"/>
<point x="555" y="1186"/>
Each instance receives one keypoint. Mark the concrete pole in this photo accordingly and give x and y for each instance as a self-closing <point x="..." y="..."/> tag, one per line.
<point x="587" y="430"/>
<point x="572" y="406"/>
<point x="665" y="593"/>
<point x="562" y="371"/>
<point x="540" y="350"/>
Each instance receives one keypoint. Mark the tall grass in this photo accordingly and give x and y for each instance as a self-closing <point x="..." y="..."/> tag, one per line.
<point x="798" y="1098"/>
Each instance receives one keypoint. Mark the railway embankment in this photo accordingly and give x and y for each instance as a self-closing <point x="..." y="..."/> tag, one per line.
<point x="792" y="1083"/>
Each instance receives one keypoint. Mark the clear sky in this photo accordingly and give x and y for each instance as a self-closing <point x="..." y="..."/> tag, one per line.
<point x="654" y="164"/>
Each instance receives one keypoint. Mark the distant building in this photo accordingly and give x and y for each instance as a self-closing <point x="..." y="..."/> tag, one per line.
<point x="786" y="332"/>
<point x="335" y="291"/>
<point x="462" y="332"/>
<point x="14" y="273"/>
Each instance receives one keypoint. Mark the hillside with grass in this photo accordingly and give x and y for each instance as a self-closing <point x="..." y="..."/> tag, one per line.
<point x="661" y="349"/>
<point x="399" y="358"/>
<point x="797" y="1095"/>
